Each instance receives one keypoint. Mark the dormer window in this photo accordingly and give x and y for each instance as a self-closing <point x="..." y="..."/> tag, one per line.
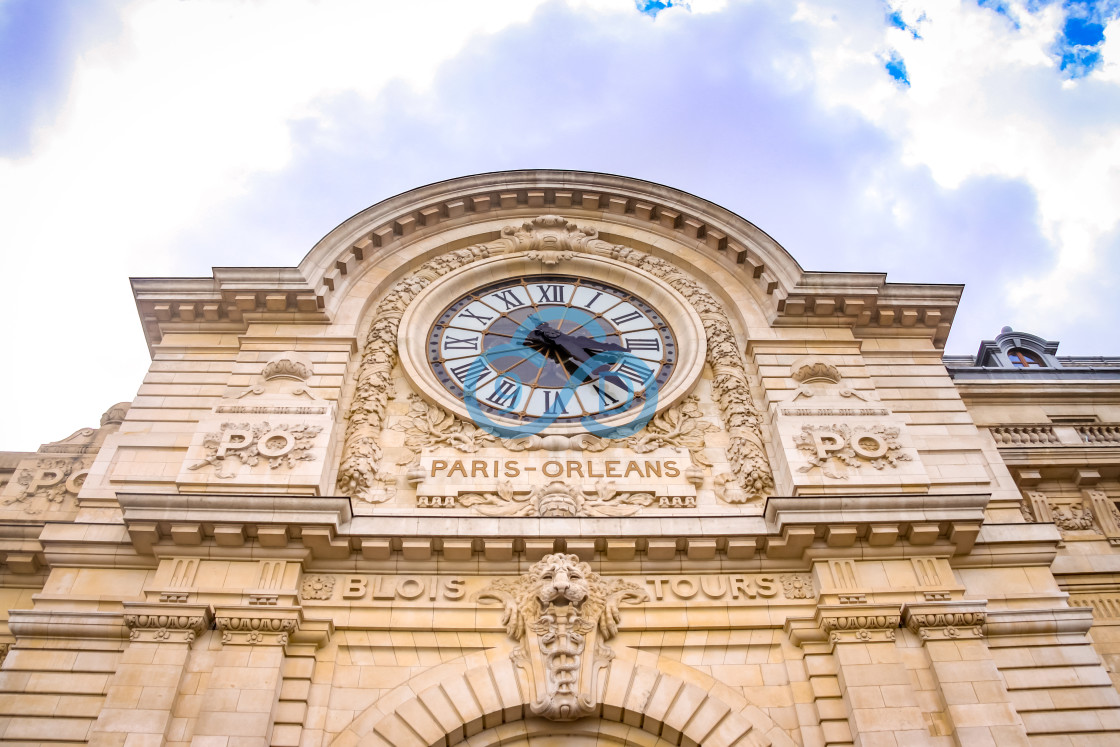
<point x="1020" y="358"/>
<point x="1018" y="350"/>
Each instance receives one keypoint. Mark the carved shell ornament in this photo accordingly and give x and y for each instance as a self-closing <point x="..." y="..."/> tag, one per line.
<point x="551" y="242"/>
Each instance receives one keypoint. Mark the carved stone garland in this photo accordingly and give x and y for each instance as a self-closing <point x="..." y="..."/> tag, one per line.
<point x="554" y="240"/>
<point x="561" y="614"/>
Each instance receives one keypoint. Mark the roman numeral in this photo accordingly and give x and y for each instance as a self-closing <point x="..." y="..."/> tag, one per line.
<point x="554" y="403"/>
<point x="626" y="318"/>
<point x="604" y="396"/>
<point x="637" y="375"/>
<point x="504" y="394"/>
<point x="551" y="293"/>
<point x="464" y="343"/>
<point x="480" y="319"/>
<point x="592" y="301"/>
<point x="509" y="298"/>
<point x="644" y="343"/>
<point x="469" y="373"/>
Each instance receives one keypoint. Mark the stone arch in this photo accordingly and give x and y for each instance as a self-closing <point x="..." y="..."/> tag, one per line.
<point x="456" y="208"/>
<point x="447" y="705"/>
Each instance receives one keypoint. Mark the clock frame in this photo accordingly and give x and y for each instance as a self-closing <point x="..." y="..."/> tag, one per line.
<point x="449" y="311"/>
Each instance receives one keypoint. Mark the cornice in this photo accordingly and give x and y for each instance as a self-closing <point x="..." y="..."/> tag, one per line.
<point x="791" y="296"/>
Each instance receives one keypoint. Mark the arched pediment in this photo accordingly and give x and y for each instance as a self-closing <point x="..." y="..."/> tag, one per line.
<point x="329" y="284"/>
<point x="461" y="208"/>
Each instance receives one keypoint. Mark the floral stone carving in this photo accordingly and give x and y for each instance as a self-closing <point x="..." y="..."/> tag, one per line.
<point x="280" y="445"/>
<point x="1072" y="517"/>
<point x="557" y="498"/>
<point x="561" y="614"/>
<point x="798" y="586"/>
<point x="834" y="447"/>
<point x="317" y="587"/>
<point x="428" y="427"/>
<point x="51" y="483"/>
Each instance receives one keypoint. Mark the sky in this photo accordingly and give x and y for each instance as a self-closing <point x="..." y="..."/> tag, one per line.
<point x="939" y="141"/>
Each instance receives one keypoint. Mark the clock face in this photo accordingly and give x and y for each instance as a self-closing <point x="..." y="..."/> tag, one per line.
<point x="551" y="348"/>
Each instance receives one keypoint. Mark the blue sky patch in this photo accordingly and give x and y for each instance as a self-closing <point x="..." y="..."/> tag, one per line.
<point x="895" y="19"/>
<point x="1077" y="46"/>
<point x="896" y="67"/>
<point x="652" y="7"/>
<point x="1079" y="43"/>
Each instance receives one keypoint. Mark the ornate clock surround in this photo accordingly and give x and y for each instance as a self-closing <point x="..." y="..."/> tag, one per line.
<point x="431" y="302"/>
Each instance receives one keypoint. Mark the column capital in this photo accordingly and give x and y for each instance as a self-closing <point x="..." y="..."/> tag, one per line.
<point x="169" y="623"/>
<point x="946" y="620"/>
<point x="253" y="625"/>
<point x="859" y="623"/>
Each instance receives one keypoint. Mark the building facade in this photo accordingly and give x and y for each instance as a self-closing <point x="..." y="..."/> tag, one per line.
<point x="556" y="458"/>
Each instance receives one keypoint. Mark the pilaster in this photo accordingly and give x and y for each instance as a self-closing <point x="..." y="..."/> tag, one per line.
<point x="142" y="692"/>
<point x="977" y="702"/>
<point x="882" y="705"/>
<point x="245" y="682"/>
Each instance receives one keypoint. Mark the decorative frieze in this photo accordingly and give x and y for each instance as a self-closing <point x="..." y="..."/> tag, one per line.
<point x="166" y="624"/>
<point x="561" y="614"/>
<point x="859" y="623"/>
<point x="946" y="620"/>
<point x="556" y="498"/>
<point x="248" y="626"/>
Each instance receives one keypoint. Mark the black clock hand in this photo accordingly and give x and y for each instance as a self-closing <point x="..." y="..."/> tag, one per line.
<point x="578" y="349"/>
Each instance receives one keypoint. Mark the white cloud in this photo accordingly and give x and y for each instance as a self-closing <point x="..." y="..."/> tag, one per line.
<point x="179" y="122"/>
<point x="986" y="99"/>
<point x="161" y="127"/>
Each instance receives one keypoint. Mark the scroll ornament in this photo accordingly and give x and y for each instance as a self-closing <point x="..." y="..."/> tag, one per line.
<point x="553" y="240"/>
<point x="561" y="614"/>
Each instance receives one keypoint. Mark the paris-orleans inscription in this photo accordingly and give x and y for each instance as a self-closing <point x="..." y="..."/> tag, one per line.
<point x="384" y="589"/>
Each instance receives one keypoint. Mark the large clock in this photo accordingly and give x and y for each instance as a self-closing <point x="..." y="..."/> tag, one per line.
<point x="554" y="347"/>
<point x="520" y="347"/>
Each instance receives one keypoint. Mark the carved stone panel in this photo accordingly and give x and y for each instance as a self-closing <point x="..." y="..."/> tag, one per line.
<point x="838" y="440"/>
<point x="275" y="434"/>
<point x="562" y="614"/>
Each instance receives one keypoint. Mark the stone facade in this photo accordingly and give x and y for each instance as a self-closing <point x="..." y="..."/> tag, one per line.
<point x="821" y="532"/>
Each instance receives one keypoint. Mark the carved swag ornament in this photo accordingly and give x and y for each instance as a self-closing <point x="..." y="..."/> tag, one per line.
<point x="561" y="613"/>
<point x="555" y="239"/>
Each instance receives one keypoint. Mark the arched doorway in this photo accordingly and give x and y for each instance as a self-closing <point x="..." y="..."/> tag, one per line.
<point x="587" y="732"/>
